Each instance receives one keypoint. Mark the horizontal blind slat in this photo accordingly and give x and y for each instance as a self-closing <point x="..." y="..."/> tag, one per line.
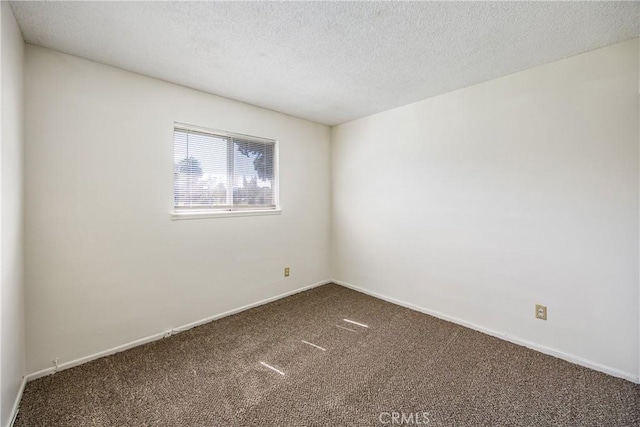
<point x="221" y="172"/>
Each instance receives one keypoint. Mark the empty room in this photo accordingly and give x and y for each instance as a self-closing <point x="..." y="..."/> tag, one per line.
<point x="319" y="213"/>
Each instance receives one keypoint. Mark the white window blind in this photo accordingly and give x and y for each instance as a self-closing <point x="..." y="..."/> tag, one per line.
<point x="223" y="171"/>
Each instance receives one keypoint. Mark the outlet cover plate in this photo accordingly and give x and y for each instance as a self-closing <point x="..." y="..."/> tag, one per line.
<point x="541" y="312"/>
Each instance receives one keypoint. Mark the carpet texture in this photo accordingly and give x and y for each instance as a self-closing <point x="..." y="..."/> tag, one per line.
<point x="336" y="373"/>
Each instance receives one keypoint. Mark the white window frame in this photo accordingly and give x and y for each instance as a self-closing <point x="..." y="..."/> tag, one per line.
<point x="179" y="214"/>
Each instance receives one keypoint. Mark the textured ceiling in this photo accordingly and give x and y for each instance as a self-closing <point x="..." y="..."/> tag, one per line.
<point x="329" y="62"/>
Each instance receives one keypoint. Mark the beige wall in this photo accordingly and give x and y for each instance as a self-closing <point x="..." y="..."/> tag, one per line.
<point x="12" y="345"/>
<point x="105" y="263"/>
<point x="480" y="203"/>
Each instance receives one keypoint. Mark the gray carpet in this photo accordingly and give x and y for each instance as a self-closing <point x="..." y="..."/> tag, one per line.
<point x="404" y="362"/>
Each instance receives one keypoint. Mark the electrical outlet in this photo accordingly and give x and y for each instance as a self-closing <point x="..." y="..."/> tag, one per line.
<point x="286" y="272"/>
<point x="541" y="312"/>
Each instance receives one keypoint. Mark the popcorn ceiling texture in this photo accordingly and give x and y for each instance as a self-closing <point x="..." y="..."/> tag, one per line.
<point x="324" y="61"/>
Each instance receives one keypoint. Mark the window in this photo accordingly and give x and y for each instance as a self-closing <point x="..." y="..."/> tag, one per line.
<point x="222" y="172"/>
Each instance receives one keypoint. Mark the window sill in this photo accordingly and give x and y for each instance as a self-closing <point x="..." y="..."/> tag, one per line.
<point x="175" y="215"/>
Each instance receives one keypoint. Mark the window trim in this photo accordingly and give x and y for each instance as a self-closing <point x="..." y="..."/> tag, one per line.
<point x="198" y="213"/>
<point x="215" y="213"/>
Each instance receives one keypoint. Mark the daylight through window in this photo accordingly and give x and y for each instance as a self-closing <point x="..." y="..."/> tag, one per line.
<point x="221" y="171"/>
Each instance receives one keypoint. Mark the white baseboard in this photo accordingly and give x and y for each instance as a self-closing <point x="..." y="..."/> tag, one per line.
<point x="163" y="334"/>
<point x="16" y="404"/>
<point x="515" y="340"/>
